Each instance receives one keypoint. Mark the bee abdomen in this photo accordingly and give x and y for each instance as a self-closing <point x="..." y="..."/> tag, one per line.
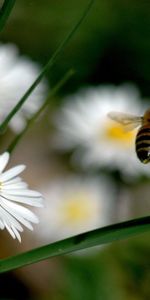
<point x="143" y="144"/>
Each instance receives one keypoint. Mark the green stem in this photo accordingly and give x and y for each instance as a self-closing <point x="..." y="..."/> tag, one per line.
<point x="46" y="67"/>
<point x="89" y="239"/>
<point x="31" y="121"/>
<point x="5" y="12"/>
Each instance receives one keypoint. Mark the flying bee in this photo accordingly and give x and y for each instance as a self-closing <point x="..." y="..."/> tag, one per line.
<point x="142" y="140"/>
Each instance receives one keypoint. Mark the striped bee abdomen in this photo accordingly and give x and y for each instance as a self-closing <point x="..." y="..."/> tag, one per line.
<point x="142" y="144"/>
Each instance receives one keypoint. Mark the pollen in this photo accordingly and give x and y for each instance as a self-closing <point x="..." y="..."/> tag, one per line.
<point x="118" y="134"/>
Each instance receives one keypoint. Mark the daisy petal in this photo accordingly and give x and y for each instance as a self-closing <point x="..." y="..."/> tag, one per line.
<point x="38" y="202"/>
<point x="24" y="192"/>
<point x="16" y="233"/>
<point x="10" y="231"/>
<point x="12" y="181"/>
<point x="1" y="225"/>
<point x="11" y="173"/>
<point x="22" y="211"/>
<point x="7" y="218"/>
<point x="19" y="185"/>
<point x="13" y="218"/>
<point x="13" y="190"/>
<point x="4" y="158"/>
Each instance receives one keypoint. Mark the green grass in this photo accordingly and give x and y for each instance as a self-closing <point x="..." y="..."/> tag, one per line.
<point x="86" y="240"/>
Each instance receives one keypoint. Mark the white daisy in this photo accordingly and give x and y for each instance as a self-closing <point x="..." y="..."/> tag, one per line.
<point x="13" y="191"/>
<point x="75" y="205"/>
<point x="99" y="141"/>
<point x="17" y="73"/>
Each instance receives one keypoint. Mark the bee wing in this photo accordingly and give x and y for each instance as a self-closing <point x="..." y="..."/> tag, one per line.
<point x="128" y="121"/>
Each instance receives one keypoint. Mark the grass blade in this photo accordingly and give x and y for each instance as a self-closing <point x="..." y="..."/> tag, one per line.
<point x="89" y="239"/>
<point x="31" y="121"/>
<point x="49" y="64"/>
<point x="5" y="12"/>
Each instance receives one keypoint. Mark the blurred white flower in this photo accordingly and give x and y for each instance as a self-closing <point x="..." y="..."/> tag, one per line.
<point x="17" y="73"/>
<point x="75" y="205"/>
<point x="100" y="142"/>
<point x="12" y="191"/>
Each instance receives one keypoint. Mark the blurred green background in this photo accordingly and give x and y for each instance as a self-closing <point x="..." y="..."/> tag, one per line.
<point x="111" y="46"/>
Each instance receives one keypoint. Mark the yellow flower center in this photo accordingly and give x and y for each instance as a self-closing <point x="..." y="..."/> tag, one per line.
<point x="77" y="209"/>
<point x="116" y="132"/>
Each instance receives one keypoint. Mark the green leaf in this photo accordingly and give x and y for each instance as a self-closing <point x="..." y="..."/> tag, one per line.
<point x="85" y="240"/>
<point x="5" y="12"/>
<point x="48" y="66"/>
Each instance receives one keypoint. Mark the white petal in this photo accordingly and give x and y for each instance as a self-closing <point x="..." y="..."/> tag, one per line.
<point x="23" y="221"/>
<point x="24" y="192"/>
<point x="4" y="158"/>
<point x="16" y="233"/>
<point x="1" y="225"/>
<point x="12" y="181"/>
<point x="16" y="186"/>
<point x="22" y="211"/>
<point x="10" y="231"/>
<point x="13" y="218"/>
<point x="37" y="202"/>
<point x="11" y="173"/>
<point x="10" y="220"/>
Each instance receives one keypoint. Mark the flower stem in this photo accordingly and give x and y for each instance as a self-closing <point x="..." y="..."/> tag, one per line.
<point x="85" y="240"/>
<point x="49" y="64"/>
<point x="31" y="121"/>
<point x="5" y="12"/>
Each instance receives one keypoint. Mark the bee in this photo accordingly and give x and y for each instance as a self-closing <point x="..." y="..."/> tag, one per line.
<point x="142" y="140"/>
